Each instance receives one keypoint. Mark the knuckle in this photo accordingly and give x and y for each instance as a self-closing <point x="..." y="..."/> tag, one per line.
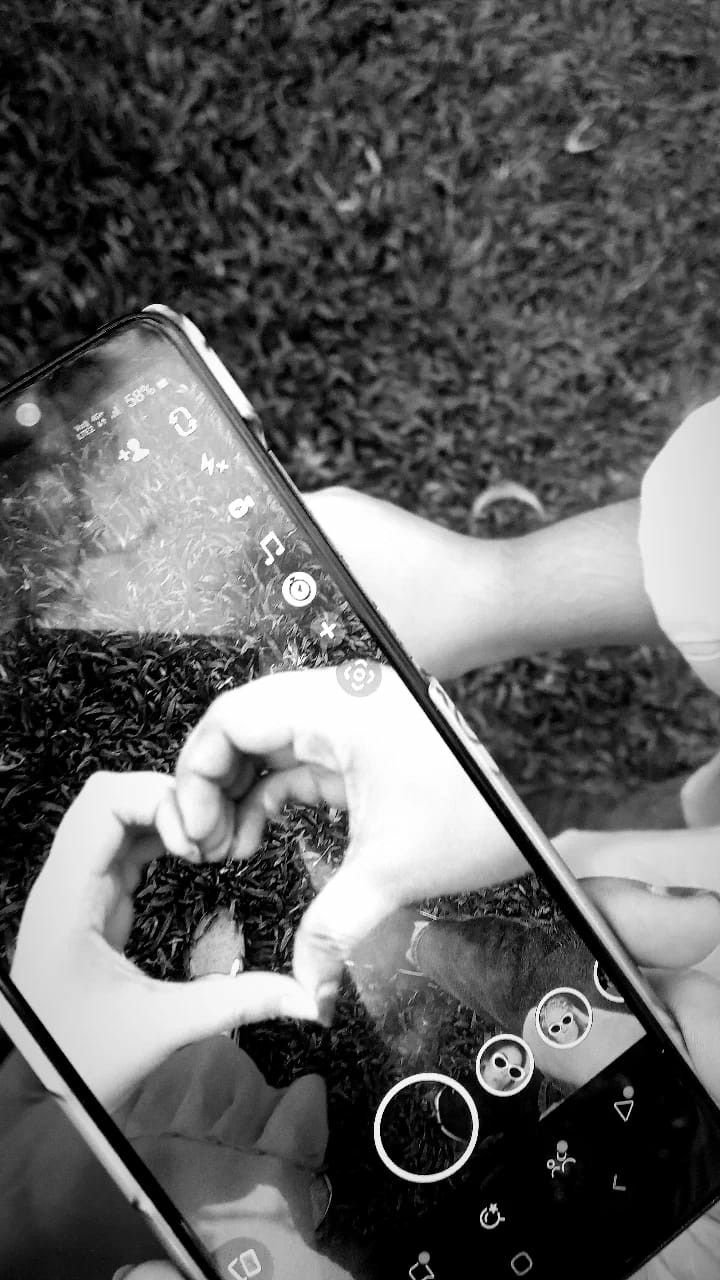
<point x="340" y="493"/>
<point x="333" y="493"/>
<point x="321" y="936"/>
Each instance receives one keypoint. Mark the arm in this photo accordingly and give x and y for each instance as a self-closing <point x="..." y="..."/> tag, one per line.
<point x="578" y="583"/>
<point x="678" y="538"/>
<point x="458" y="602"/>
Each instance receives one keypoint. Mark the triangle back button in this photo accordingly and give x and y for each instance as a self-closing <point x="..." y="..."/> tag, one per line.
<point x="624" y="1109"/>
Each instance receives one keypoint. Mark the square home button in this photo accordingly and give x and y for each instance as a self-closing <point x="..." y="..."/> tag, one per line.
<point x="521" y="1264"/>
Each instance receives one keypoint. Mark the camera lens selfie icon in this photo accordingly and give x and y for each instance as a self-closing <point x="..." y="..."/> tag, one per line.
<point x="359" y="677"/>
<point x="504" y="1065"/>
<point x="563" y="1018"/>
<point x="299" y="589"/>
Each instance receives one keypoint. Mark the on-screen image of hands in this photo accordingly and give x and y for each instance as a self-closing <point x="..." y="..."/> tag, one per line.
<point x="114" y="1022"/>
<point x="418" y="826"/>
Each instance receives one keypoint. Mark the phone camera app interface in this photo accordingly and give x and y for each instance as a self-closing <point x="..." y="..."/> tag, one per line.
<point x="452" y="1073"/>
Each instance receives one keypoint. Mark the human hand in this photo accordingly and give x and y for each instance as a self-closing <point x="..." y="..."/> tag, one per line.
<point x="401" y="559"/>
<point x="112" y="1021"/>
<point x="148" y="1271"/>
<point x="418" y="826"/>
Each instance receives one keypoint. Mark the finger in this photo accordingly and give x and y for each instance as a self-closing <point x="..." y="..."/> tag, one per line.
<point x="305" y="784"/>
<point x="664" y="931"/>
<point x="171" y="830"/>
<point x="348" y="908"/>
<point x="662" y="928"/>
<point x="110" y="808"/>
<point x="218" y="762"/>
<point x="207" y="815"/>
<point x="222" y="829"/>
<point x="148" y="1271"/>
<point x="256" y="719"/>
<point x="693" y="998"/>
<point x="207" y="1006"/>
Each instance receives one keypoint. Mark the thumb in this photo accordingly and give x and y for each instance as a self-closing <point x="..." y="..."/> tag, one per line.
<point x="344" y="912"/>
<point x="669" y="931"/>
<point x="215" y="1003"/>
<point x="663" y="928"/>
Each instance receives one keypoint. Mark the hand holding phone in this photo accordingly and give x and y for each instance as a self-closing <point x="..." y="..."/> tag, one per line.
<point x="114" y="1022"/>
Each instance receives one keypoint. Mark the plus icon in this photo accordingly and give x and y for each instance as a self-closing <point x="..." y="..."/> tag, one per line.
<point x="329" y="630"/>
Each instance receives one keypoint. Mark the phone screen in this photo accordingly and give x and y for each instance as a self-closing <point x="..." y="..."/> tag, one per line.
<point x="485" y="1091"/>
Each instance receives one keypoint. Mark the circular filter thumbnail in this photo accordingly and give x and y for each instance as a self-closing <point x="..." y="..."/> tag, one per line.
<point x="504" y="1065"/>
<point x="605" y="986"/>
<point x="563" y="1018"/>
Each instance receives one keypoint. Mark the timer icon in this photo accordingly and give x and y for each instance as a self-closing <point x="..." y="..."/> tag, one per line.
<point x="491" y="1217"/>
<point x="299" y="589"/>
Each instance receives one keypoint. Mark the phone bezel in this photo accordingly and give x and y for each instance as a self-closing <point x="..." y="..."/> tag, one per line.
<point x="60" y="1080"/>
<point x="535" y="847"/>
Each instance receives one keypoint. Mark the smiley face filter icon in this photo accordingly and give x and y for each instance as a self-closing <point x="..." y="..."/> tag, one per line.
<point x="563" y="1018"/>
<point x="504" y="1065"/>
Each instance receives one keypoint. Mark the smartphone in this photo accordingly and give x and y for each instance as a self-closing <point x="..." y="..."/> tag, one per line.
<point x="500" y="1089"/>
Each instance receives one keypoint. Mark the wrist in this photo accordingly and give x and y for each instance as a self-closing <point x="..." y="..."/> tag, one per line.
<point x="482" y="621"/>
<point x="507" y="590"/>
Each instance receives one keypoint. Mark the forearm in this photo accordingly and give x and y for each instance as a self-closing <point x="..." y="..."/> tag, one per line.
<point x="576" y="583"/>
<point x="459" y="602"/>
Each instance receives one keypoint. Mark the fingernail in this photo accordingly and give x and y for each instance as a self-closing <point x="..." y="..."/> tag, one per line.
<point x="326" y="998"/>
<point x="122" y="1272"/>
<point x="678" y="891"/>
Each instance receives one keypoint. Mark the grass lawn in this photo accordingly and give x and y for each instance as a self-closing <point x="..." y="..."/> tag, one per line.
<point x="372" y="212"/>
<point x="439" y="246"/>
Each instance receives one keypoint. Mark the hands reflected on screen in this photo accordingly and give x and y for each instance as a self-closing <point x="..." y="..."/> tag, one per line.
<point x="418" y="826"/>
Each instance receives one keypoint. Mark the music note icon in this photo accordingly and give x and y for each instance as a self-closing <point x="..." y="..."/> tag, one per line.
<point x="265" y="544"/>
